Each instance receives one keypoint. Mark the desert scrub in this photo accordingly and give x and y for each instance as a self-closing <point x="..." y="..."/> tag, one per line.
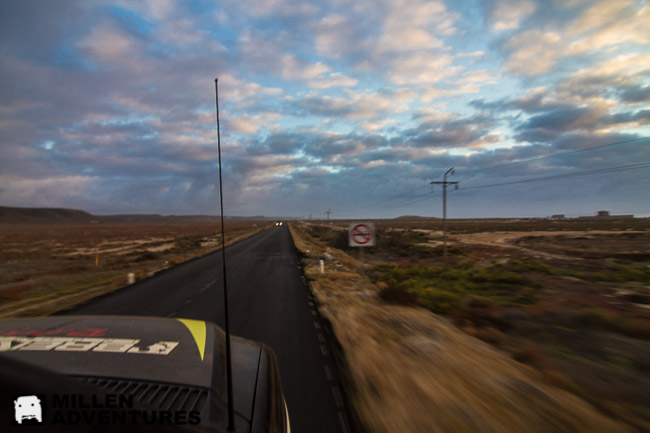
<point x="618" y="272"/>
<point x="530" y="266"/>
<point x="444" y="290"/>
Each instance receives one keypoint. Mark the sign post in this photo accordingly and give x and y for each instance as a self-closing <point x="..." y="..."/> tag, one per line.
<point x="361" y="235"/>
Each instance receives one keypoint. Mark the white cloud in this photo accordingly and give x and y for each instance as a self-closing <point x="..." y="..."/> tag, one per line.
<point x="508" y="14"/>
<point x="375" y="125"/>
<point x="294" y="69"/>
<point x="110" y="46"/>
<point x="426" y="21"/>
<point x="24" y="191"/>
<point x="534" y="52"/>
<point x="335" y="35"/>
<point x="156" y="9"/>
<point x="160" y="9"/>
<point x="335" y="79"/>
<point x="610" y="23"/>
<point x="130" y="96"/>
<point x="423" y="68"/>
<point x="370" y="105"/>
<point x="431" y="115"/>
<point x="606" y="25"/>
<point x="250" y="124"/>
<point x="265" y="8"/>
<point x="407" y="39"/>
<point x="420" y="14"/>
<point x="239" y="91"/>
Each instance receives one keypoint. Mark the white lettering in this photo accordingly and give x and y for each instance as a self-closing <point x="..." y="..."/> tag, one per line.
<point x="160" y="348"/>
<point x="75" y="344"/>
<point x="117" y="345"/>
<point x="43" y="343"/>
<point x="13" y="343"/>
<point x="79" y="344"/>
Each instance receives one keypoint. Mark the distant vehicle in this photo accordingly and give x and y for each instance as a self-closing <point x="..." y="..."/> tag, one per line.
<point x="278" y="223"/>
<point x="134" y="373"/>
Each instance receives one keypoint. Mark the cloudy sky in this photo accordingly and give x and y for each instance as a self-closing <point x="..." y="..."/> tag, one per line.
<point x="542" y="106"/>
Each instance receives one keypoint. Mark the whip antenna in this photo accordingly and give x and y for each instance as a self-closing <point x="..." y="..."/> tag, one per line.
<point x="231" y="406"/>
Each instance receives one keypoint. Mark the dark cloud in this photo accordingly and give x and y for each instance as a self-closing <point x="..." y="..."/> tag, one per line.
<point x="636" y="93"/>
<point x="642" y="117"/>
<point x="562" y="119"/>
<point x="325" y="107"/>
<point x="35" y="30"/>
<point x="112" y="109"/>
<point x="450" y="134"/>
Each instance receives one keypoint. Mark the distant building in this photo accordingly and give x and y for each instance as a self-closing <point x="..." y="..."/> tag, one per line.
<point x="604" y="214"/>
<point x="558" y="217"/>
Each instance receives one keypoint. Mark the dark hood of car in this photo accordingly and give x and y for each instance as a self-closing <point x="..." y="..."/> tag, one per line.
<point x="170" y="364"/>
<point x="188" y="352"/>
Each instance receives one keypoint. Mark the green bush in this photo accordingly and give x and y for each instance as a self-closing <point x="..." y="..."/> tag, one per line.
<point x="439" y="301"/>
<point x="444" y="289"/>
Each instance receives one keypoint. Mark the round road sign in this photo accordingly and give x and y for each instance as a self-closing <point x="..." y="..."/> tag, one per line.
<point x="361" y="235"/>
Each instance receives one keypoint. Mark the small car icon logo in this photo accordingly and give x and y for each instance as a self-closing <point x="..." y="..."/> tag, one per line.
<point x="28" y="407"/>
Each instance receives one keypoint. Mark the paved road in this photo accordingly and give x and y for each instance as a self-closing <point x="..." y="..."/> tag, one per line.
<point x="268" y="302"/>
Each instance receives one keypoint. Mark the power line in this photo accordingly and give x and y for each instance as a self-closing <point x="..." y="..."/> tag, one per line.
<point x="407" y="202"/>
<point x="445" y="183"/>
<point x="386" y="203"/>
<point x="553" y="155"/>
<point x="391" y="202"/>
<point x="537" y="179"/>
<point x="566" y="175"/>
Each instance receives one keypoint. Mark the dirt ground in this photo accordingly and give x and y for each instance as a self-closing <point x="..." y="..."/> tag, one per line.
<point x="44" y="268"/>
<point x="412" y="371"/>
<point x="508" y="240"/>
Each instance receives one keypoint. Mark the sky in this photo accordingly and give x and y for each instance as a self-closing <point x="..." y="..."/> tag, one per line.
<point x="542" y="107"/>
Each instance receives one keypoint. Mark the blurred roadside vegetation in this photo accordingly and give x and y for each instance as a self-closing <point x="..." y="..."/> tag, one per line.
<point x="581" y="316"/>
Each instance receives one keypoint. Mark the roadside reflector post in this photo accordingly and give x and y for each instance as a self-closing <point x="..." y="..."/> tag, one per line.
<point x="322" y="267"/>
<point x="130" y="278"/>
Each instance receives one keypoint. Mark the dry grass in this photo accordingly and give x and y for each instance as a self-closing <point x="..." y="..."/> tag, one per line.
<point x="412" y="371"/>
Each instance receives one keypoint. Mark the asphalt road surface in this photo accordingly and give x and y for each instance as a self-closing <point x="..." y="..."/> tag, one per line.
<point x="269" y="302"/>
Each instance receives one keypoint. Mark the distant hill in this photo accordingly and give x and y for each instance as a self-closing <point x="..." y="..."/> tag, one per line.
<point x="155" y="218"/>
<point x="415" y="217"/>
<point x="19" y="215"/>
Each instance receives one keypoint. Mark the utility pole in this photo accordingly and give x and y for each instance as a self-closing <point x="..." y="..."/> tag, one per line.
<point x="328" y="212"/>
<point x="444" y="184"/>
